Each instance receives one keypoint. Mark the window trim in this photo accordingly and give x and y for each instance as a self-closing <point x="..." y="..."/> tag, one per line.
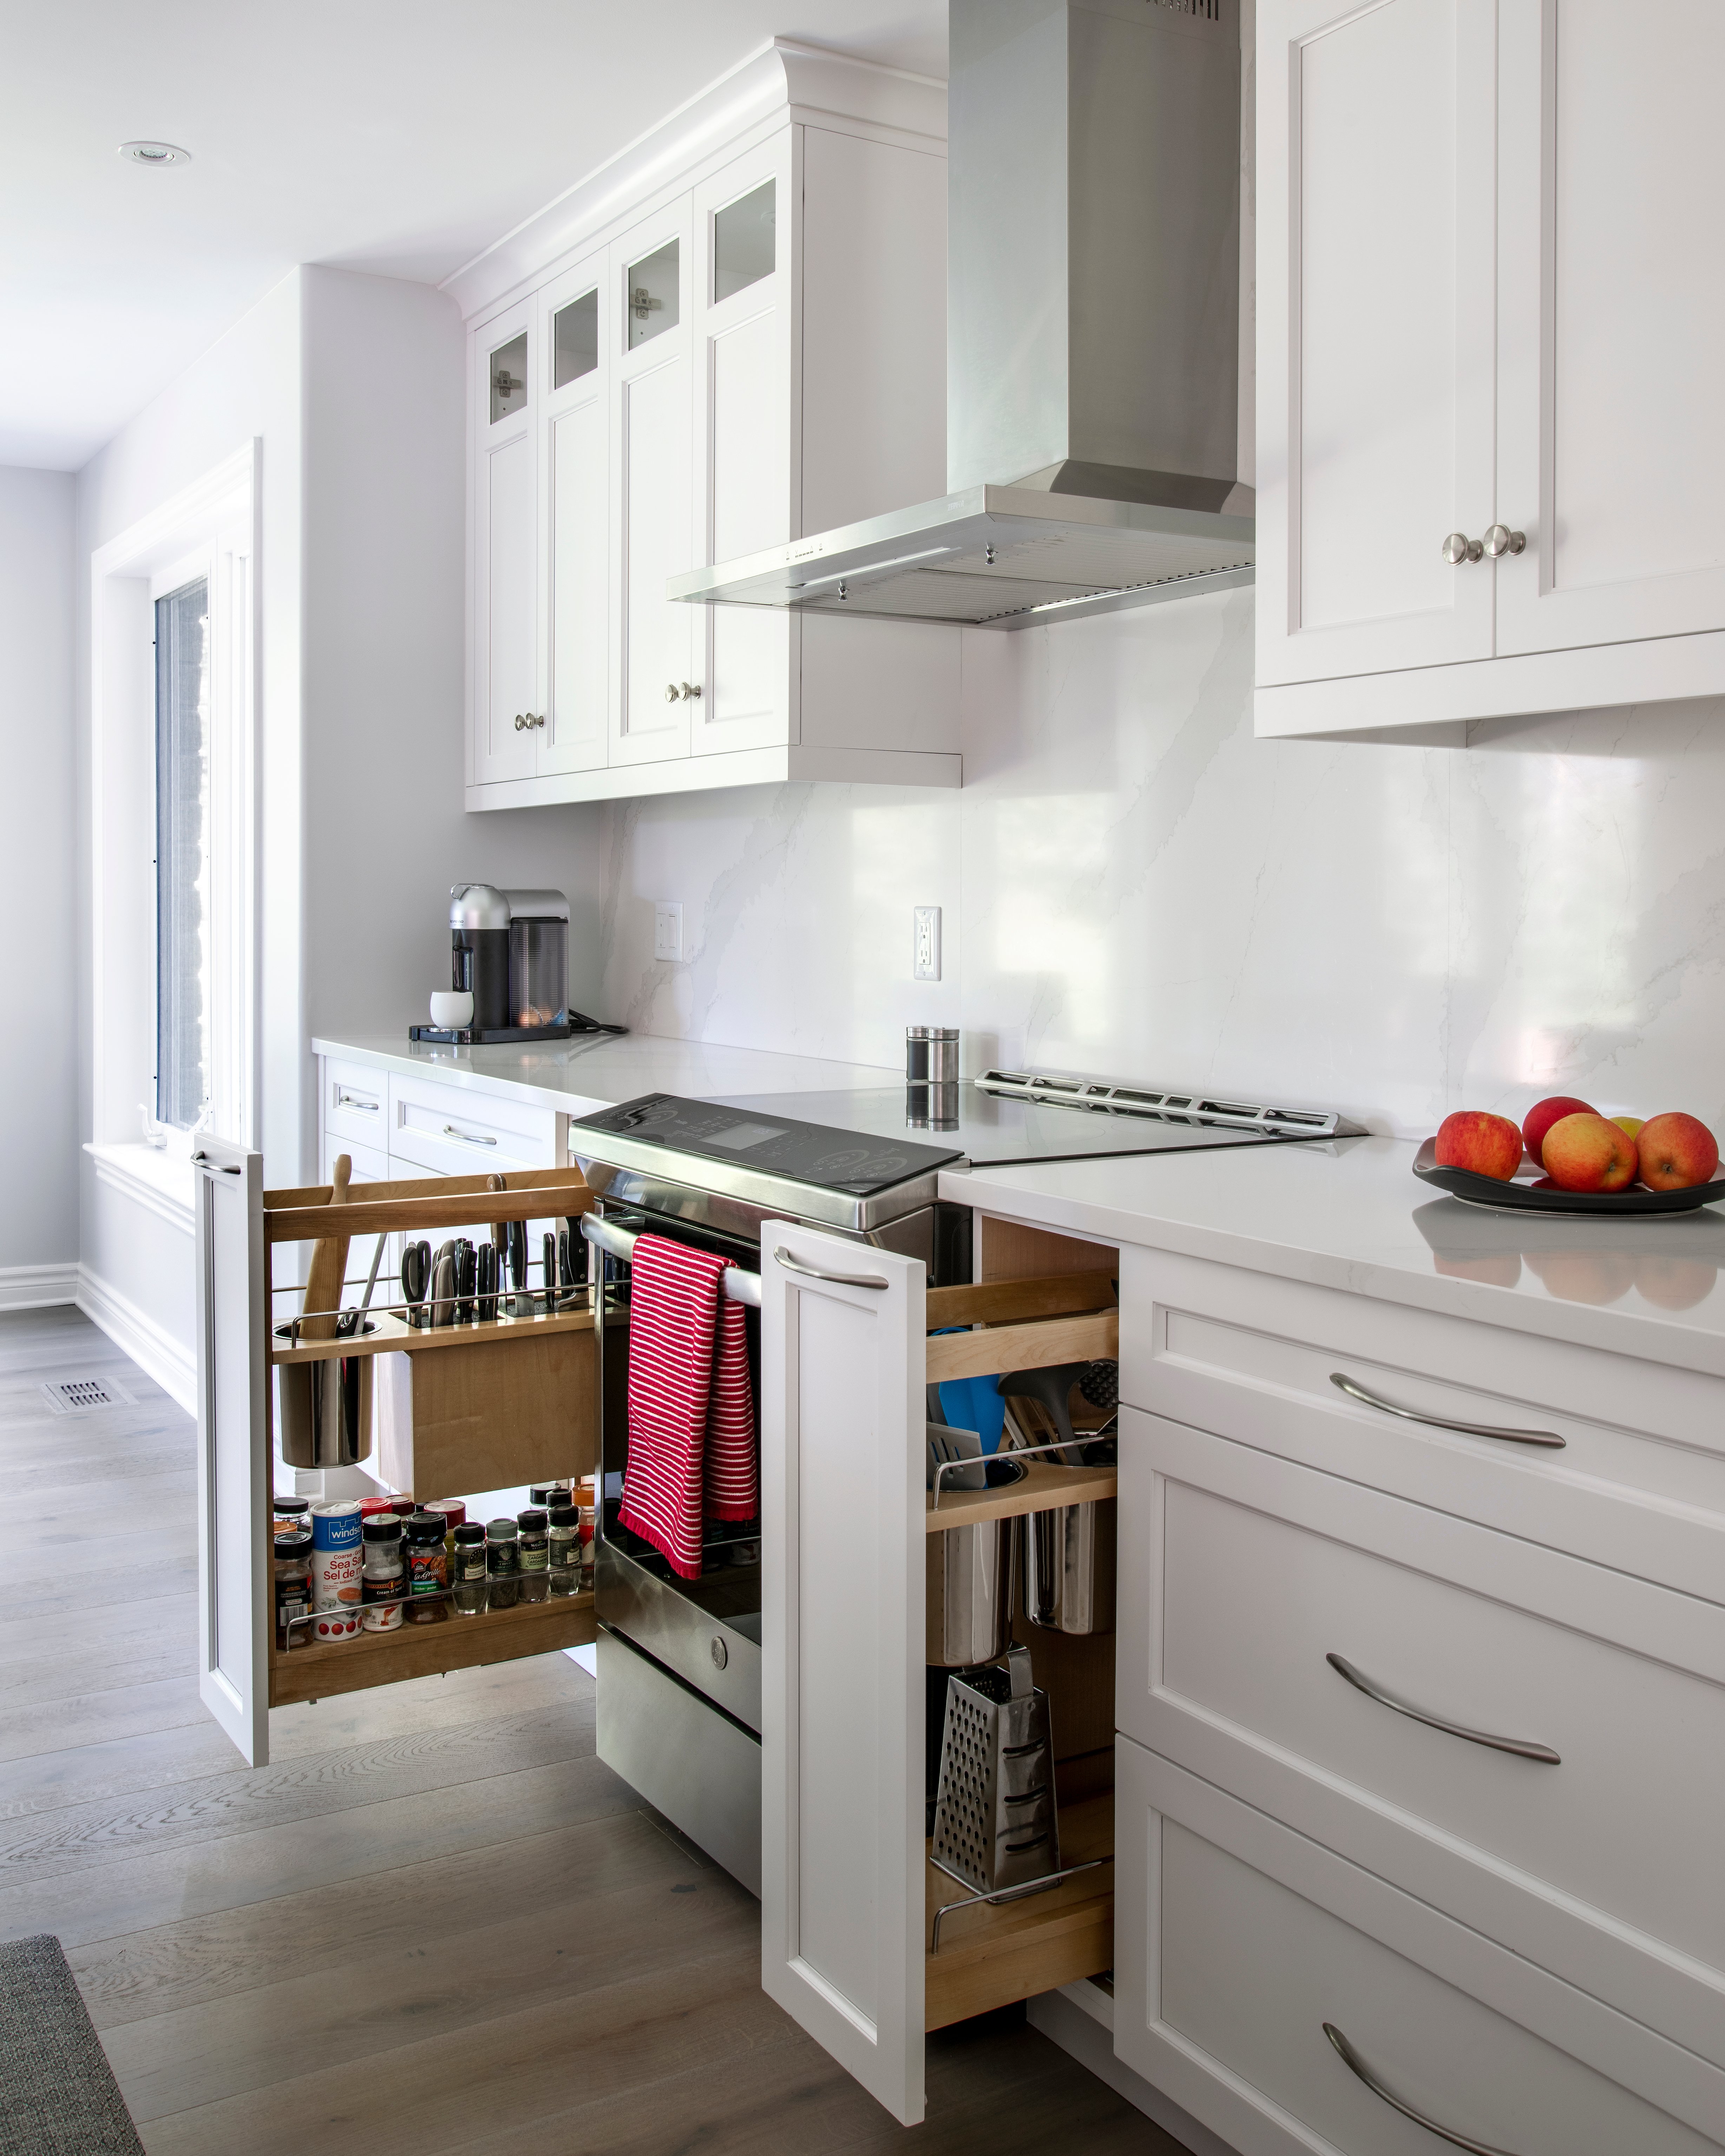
<point x="210" y="529"/>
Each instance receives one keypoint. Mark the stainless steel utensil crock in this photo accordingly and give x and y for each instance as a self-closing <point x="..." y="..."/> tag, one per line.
<point x="1069" y="1567"/>
<point x="972" y="1584"/>
<point x="325" y="1411"/>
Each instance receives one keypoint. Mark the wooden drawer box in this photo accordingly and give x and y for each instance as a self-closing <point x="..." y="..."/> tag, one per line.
<point x="1606" y="1864"/>
<point x="1245" y="1941"/>
<point x="454" y="1130"/>
<point x="1638" y="1482"/>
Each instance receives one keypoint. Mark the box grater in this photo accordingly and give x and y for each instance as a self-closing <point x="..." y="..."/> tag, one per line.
<point x="994" y="1820"/>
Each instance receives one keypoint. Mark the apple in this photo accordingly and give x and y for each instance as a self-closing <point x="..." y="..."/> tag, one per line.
<point x="1631" y="1126"/>
<point x="1488" y="1145"/>
<point x="1586" y="1152"/>
<point x="1676" y="1153"/>
<point x="1543" y="1114"/>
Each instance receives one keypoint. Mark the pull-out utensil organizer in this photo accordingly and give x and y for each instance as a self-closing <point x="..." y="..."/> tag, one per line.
<point x="487" y="1404"/>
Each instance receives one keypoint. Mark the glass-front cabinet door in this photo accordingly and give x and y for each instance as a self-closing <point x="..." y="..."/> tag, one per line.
<point x="653" y="486"/>
<point x="575" y="496"/>
<point x="742" y="346"/>
<point x="504" y="682"/>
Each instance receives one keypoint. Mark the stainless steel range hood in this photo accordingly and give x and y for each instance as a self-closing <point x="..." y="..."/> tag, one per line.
<point x="1092" y="334"/>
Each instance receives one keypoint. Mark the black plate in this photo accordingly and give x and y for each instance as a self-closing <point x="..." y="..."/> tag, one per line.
<point x="1518" y="1194"/>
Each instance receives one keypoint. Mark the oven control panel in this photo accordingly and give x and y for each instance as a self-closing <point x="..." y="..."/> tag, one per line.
<point x="855" y="1162"/>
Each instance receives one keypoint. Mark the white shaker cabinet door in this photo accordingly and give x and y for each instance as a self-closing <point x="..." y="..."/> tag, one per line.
<point x="235" y="1592"/>
<point x="842" y="1422"/>
<point x="654" y="518"/>
<point x="743" y="341"/>
<point x="574" y="735"/>
<point x="505" y="686"/>
<point x="1611" y="285"/>
<point x="1375" y="295"/>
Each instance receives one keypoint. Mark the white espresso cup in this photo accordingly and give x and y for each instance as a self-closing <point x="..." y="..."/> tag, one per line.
<point x="452" y="1008"/>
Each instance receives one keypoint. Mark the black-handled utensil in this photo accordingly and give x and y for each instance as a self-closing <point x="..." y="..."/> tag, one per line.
<point x="486" y="1280"/>
<point x="443" y="1285"/>
<point x="1049" y="1389"/>
<point x="415" y="1279"/>
<point x="548" y="1270"/>
<point x="517" y="1256"/>
<point x="466" y="1280"/>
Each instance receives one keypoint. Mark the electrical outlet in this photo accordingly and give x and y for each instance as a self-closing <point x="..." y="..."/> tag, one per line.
<point x="926" y="963"/>
<point x="668" y="930"/>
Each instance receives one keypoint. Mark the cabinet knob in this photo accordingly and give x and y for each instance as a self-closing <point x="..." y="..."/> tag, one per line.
<point x="671" y="692"/>
<point x="520" y="719"/>
<point x="536" y="721"/>
<point x="675" y="691"/>
<point x="1500" y="540"/>
<point x="1458" y="548"/>
<point x="692" y="688"/>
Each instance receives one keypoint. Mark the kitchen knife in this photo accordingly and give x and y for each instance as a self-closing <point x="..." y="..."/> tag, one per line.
<point x="415" y="1279"/>
<point x="443" y="1285"/>
<point x="466" y="1280"/>
<point x="486" y="1282"/>
<point x="548" y="1268"/>
<point x="518" y="1262"/>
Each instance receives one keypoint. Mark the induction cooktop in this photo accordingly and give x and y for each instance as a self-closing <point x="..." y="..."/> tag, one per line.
<point x="875" y="1153"/>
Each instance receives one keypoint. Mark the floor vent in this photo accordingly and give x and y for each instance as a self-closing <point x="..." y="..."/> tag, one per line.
<point x="81" y="1395"/>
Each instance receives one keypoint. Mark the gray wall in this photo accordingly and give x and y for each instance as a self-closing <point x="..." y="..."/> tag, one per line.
<point x="39" y="1073"/>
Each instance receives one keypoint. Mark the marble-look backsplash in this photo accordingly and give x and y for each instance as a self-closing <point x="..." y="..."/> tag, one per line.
<point x="1132" y="885"/>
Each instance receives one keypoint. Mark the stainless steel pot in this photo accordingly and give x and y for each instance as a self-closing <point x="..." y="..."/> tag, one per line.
<point x="325" y="1411"/>
<point x="1069" y="1567"/>
<point x="973" y="1584"/>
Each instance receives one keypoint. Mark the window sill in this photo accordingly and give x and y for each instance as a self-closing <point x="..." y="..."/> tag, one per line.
<point x="162" y="1182"/>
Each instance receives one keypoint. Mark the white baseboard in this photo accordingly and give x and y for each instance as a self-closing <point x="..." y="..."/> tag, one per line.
<point x="157" y="1352"/>
<point x="37" y="1287"/>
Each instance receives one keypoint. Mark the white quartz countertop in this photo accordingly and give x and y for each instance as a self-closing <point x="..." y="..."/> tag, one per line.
<point x="598" y="1070"/>
<point x="1349" y="1215"/>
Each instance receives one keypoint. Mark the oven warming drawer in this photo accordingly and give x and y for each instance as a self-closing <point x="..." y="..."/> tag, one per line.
<point x="717" y="1655"/>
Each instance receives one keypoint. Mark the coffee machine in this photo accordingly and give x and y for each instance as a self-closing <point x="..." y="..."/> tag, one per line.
<point x="509" y="950"/>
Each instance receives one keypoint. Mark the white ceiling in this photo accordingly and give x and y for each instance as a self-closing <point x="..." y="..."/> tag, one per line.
<point x="400" y="136"/>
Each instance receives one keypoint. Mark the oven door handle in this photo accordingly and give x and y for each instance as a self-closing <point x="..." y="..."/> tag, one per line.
<point x="739" y="1285"/>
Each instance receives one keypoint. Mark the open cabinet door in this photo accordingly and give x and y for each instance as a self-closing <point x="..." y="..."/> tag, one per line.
<point x="233" y="1573"/>
<point x="842" y="1475"/>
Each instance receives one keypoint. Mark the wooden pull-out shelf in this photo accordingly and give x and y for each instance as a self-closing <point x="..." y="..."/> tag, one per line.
<point x="1044" y="1489"/>
<point x="995" y="1953"/>
<point x="420" y="1650"/>
<point x="394" y="1334"/>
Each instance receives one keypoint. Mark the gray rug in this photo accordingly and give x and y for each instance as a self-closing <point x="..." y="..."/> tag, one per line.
<point x="58" y="2094"/>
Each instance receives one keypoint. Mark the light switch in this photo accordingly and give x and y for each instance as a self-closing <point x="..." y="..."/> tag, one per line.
<point x="926" y="955"/>
<point x="668" y="930"/>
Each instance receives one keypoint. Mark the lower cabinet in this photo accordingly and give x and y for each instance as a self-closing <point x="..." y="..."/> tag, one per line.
<point x="1294" y="2002"/>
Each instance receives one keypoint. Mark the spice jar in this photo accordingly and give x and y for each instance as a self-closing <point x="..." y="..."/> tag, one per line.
<point x="293" y="1590"/>
<point x="563" y="1533"/>
<point x="453" y="1512"/>
<point x="292" y="1515"/>
<point x="535" y="1547"/>
<point x="502" y="1563"/>
<point x="467" y="1576"/>
<point x="428" y="1563"/>
<point x="383" y="1582"/>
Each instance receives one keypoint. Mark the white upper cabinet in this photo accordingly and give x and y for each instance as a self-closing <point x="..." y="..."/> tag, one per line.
<point x="1611" y="319"/>
<point x="1490" y="275"/>
<point x="733" y="335"/>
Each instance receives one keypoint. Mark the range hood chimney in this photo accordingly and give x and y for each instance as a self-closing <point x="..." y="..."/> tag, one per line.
<point x="1092" y="334"/>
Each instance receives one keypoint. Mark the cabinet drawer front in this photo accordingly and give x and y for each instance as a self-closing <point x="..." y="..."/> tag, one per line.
<point x="1244" y="1950"/>
<point x="1243" y="1574"/>
<point x="1638" y="1482"/>
<point x="458" y="1133"/>
<point x="355" y="1103"/>
<point x="1252" y="1605"/>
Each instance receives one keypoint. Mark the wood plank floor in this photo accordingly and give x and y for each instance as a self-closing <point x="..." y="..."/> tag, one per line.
<point x="433" y="1920"/>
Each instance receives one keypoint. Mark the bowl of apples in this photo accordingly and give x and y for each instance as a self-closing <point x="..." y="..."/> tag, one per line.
<point x="1567" y="1158"/>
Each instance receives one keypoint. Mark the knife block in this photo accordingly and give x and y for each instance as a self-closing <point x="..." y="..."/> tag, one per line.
<point x="489" y="1414"/>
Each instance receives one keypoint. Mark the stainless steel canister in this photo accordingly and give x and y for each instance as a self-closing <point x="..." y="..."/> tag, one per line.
<point x="1069" y="1567"/>
<point x="325" y="1411"/>
<point x="973" y="1584"/>
<point x="931" y="1055"/>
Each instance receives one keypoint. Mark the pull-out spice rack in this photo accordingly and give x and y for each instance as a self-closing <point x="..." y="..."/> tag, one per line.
<point x="477" y="1406"/>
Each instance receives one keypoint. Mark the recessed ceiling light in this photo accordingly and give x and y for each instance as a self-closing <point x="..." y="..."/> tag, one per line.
<point x="154" y="153"/>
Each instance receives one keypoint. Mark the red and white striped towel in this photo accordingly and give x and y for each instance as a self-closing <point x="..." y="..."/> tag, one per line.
<point x="691" y="1418"/>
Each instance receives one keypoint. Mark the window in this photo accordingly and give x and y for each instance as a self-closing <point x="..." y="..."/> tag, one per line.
<point x="183" y="855"/>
